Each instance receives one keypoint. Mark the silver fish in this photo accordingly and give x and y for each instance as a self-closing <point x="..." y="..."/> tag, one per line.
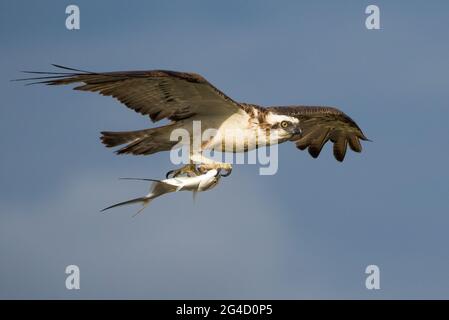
<point x="195" y="184"/>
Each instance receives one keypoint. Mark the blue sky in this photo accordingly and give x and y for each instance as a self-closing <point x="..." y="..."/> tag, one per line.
<point x="307" y="232"/>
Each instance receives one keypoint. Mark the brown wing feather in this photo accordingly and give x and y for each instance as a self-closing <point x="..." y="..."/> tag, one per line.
<point x="321" y="124"/>
<point x="340" y="147"/>
<point x="354" y="143"/>
<point x="317" y="144"/>
<point x="157" y="93"/>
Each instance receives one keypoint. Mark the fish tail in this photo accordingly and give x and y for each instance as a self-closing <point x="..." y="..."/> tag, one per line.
<point x="144" y="200"/>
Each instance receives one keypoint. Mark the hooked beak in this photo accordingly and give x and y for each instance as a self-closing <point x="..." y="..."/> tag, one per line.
<point x="297" y="131"/>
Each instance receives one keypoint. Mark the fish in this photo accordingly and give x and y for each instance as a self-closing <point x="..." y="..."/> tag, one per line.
<point x="198" y="183"/>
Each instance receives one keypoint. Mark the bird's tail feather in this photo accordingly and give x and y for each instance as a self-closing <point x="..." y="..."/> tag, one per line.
<point x="145" y="141"/>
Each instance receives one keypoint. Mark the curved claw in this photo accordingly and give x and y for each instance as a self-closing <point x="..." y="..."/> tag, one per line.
<point x="228" y="172"/>
<point x="167" y="175"/>
<point x="188" y="170"/>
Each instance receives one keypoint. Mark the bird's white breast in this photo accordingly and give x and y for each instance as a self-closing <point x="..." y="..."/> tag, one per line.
<point x="240" y="133"/>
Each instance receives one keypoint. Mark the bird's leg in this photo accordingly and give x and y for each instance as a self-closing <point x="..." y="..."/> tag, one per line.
<point x="205" y="164"/>
<point x="198" y="165"/>
<point x="189" y="169"/>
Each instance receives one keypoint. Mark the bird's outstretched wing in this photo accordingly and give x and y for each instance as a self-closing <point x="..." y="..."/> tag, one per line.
<point x="321" y="124"/>
<point x="157" y="93"/>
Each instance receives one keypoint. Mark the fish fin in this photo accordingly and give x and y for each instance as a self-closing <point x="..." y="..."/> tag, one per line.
<point x="145" y="204"/>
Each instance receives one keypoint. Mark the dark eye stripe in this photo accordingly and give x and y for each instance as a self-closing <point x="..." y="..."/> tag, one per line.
<point x="279" y="125"/>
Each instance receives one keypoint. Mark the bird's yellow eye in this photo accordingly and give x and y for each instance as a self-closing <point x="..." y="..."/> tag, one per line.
<point x="284" y="124"/>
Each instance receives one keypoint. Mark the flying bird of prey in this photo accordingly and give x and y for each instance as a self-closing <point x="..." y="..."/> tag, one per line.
<point x="185" y="97"/>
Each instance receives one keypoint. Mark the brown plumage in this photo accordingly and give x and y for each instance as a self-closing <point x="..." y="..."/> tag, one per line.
<point x="321" y="124"/>
<point x="157" y="93"/>
<point x="145" y="142"/>
<point x="182" y="97"/>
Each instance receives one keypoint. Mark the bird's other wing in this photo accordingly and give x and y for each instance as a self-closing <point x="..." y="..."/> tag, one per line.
<point x="157" y="93"/>
<point x="321" y="124"/>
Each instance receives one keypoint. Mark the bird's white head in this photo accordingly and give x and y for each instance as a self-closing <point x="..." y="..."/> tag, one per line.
<point x="283" y="126"/>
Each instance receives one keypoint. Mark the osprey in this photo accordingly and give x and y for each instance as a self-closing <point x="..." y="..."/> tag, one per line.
<point x="184" y="98"/>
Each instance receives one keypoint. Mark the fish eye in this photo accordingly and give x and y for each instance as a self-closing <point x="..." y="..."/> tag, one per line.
<point x="284" y="124"/>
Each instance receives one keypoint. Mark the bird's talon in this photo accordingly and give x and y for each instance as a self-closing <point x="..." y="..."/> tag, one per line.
<point x="188" y="170"/>
<point x="228" y="172"/>
<point x="167" y="175"/>
<point x="222" y="166"/>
